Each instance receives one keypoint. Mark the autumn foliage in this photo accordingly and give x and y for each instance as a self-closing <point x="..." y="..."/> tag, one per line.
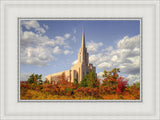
<point x="112" y="87"/>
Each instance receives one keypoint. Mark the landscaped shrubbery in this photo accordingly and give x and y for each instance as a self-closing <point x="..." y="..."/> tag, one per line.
<point x="112" y="87"/>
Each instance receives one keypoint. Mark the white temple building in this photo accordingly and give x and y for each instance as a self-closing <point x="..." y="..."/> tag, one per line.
<point x="78" y="70"/>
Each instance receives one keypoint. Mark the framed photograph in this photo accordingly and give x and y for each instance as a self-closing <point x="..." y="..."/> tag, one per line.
<point x="94" y="75"/>
<point x="79" y="60"/>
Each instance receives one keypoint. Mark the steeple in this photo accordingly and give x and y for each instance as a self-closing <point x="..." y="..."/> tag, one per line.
<point x="83" y="40"/>
<point x="83" y="55"/>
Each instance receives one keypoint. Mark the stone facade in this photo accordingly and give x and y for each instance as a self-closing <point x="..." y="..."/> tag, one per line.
<point x="78" y="70"/>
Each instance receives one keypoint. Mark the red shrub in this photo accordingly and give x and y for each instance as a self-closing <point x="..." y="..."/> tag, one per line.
<point x="122" y="84"/>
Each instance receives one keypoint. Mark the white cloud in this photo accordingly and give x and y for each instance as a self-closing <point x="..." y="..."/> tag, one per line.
<point x="37" y="49"/>
<point x="133" y="79"/>
<point x="137" y="50"/>
<point x="66" y="52"/>
<point x="136" y="81"/>
<point x="132" y="67"/>
<point x="114" y="58"/>
<point x="28" y="24"/>
<point x="45" y="26"/>
<point x="24" y="76"/>
<point x="110" y="48"/>
<point x="74" y="38"/>
<point x="92" y="58"/>
<point x="66" y="46"/>
<point x="126" y="57"/>
<point x="104" y="65"/>
<point x="99" y="58"/>
<point x="67" y="35"/>
<point x="93" y="47"/>
<point x="59" y="40"/>
<point x="75" y="62"/>
<point x="29" y="39"/>
<point x="100" y="74"/>
<point x="130" y="43"/>
<point x="36" y="56"/>
<point x="57" y="50"/>
<point x="49" y="43"/>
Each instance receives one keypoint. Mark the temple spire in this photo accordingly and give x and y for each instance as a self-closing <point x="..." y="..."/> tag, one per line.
<point x="83" y="40"/>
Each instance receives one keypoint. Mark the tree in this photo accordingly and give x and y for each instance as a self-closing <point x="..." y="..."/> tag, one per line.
<point x="83" y="83"/>
<point x="113" y="73"/>
<point x="122" y="84"/>
<point x="40" y="82"/>
<point x="110" y="77"/>
<point x="89" y="80"/>
<point x="34" y="78"/>
<point x="113" y="81"/>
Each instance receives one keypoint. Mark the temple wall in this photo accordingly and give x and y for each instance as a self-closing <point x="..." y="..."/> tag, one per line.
<point x="75" y="71"/>
<point x="51" y="76"/>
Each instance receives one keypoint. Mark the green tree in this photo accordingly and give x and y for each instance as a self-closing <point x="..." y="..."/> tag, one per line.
<point x="111" y="74"/>
<point x="84" y="81"/>
<point x="89" y="80"/>
<point x="110" y="77"/>
<point x="35" y="78"/>
<point x="40" y="82"/>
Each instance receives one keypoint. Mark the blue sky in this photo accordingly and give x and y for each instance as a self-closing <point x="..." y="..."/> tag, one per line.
<point x="50" y="46"/>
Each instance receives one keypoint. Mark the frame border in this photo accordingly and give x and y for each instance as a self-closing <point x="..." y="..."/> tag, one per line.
<point x="154" y="116"/>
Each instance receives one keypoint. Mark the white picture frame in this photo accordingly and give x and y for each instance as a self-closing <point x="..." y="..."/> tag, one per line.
<point x="147" y="109"/>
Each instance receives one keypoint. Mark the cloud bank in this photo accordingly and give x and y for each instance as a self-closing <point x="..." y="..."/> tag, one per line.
<point x="93" y="47"/>
<point x="126" y="56"/>
<point x="38" y="49"/>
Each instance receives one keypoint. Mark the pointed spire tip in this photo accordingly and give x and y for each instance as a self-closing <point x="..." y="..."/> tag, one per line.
<point x="83" y="39"/>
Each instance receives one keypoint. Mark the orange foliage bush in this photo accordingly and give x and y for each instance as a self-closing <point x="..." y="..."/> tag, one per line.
<point x="112" y="88"/>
